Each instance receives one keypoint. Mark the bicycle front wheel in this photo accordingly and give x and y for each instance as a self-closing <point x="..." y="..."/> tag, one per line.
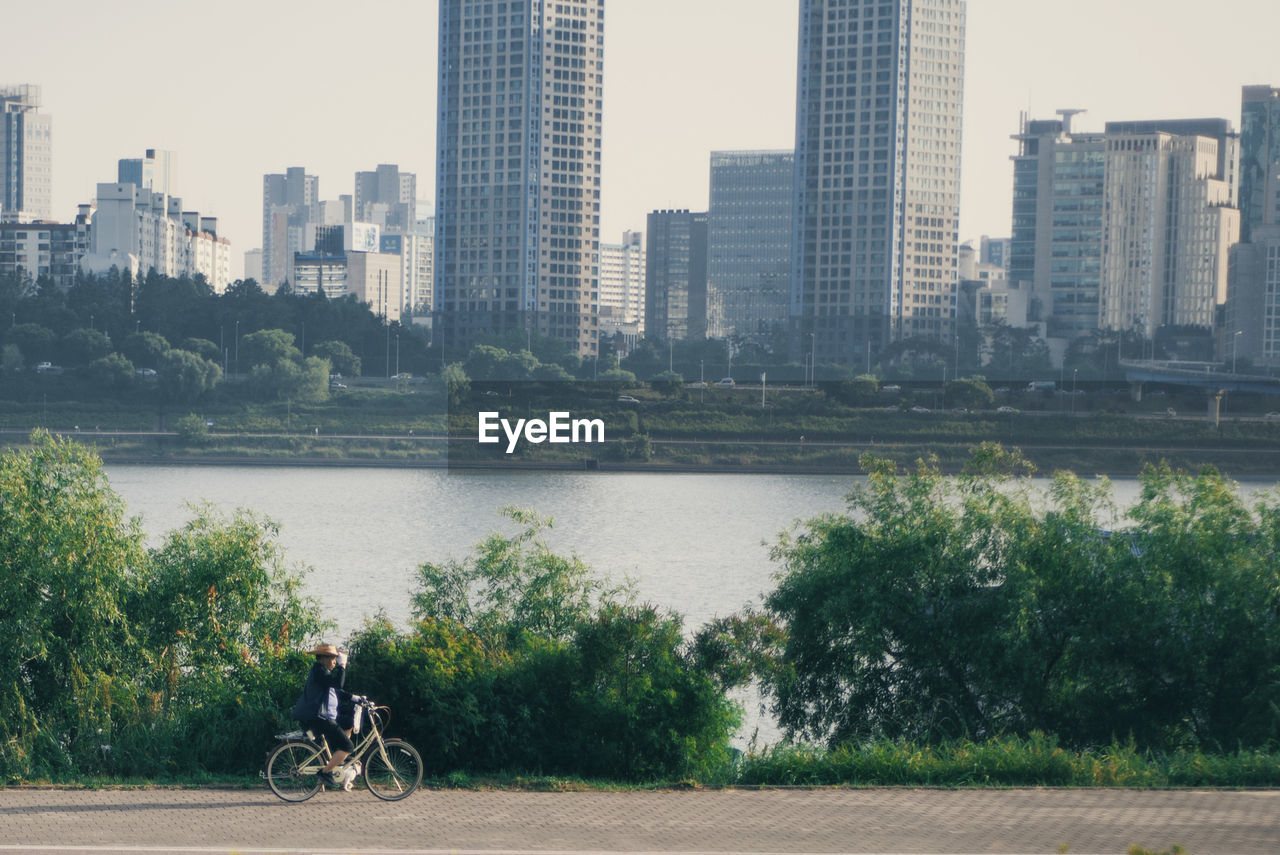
<point x="393" y="772"/>
<point x="291" y="771"/>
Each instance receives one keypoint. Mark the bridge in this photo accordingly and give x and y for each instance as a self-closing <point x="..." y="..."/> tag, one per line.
<point x="1208" y="376"/>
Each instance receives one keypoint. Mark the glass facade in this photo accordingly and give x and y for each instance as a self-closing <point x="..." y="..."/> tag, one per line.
<point x="749" y="243"/>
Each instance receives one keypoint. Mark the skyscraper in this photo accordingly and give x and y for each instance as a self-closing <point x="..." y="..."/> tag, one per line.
<point x="1169" y="219"/>
<point x="518" y="169"/>
<point x="1055" y="255"/>
<point x="1259" y="158"/>
<point x="1252" y="330"/>
<point x="289" y="202"/>
<point x="878" y="105"/>
<point x="26" y="155"/>
<point x="675" y="281"/>
<point x="387" y="197"/>
<point x="749" y="243"/>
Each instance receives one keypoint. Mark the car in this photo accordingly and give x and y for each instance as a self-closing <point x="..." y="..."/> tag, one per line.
<point x="489" y="393"/>
<point x="698" y="384"/>
<point x="960" y="411"/>
<point x="337" y="386"/>
<point x="918" y="409"/>
<point x="1272" y="417"/>
<point x="726" y="381"/>
<point x="1010" y="410"/>
<point x="146" y="372"/>
<point x="627" y="399"/>
<point x="891" y="388"/>
<point x="1171" y="412"/>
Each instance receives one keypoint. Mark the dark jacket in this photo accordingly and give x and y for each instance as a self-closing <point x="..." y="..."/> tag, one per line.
<point x="315" y="694"/>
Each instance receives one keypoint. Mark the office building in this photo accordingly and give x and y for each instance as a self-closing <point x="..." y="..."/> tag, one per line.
<point x="749" y="243"/>
<point x="289" y="201"/>
<point x="622" y="272"/>
<point x="518" y="169"/>
<point x="1251" y="330"/>
<point x="415" y="255"/>
<point x="1169" y="219"/>
<point x="675" y="282"/>
<point x="387" y="197"/>
<point x="878" y="111"/>
<point x="1055" y="253"/>
<point x="26" y="156"/>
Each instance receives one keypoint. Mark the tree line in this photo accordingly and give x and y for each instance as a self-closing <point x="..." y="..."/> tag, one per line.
<point x="935" y="609"/>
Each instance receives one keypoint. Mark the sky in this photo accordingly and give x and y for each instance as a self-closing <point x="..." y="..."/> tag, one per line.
<point x="238" y="89"/>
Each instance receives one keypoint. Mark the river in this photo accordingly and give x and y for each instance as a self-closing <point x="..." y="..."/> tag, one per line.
<point x="695" y="543"/>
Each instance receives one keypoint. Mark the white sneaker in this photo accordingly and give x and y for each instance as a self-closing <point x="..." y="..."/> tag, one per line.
<point x="349" y="775"/>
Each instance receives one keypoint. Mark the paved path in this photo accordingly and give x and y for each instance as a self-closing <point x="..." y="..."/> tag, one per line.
<point x="729" y="821"/>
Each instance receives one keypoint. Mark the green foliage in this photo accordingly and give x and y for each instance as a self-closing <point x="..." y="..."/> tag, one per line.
<point x="186" y="377"/>
<point x="36" y="343"/>
<point x="970" y="607"/>
<point x="668" y="382"/>
<point x="510" y="585"/>
<point x="112" y="371"/>
<point x="82" y="346"/>
<point x="127" y="661"/>
<point x="192" y="430"/>
<point x="144" y="349"/>
<point x="204" y="348"/>
<point x="1036" y="760"/>
<point x="341" y="357"/>
<point x="970" y="392"/>
<point x="268" y="348"/>
<point x="456" y="382"/>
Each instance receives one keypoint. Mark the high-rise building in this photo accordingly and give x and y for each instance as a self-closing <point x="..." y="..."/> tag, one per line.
<point x="26" y="155"/>
<point x="387" y="197"/>
<point x="675" y="282"/>
<point x="878" y="107"/>
<point x="1169" y="220"/>
<point x="155" y="171"/>
<point x="749" y="243"/>
<point x="289" y="202"/>
<point x="518" y="170"/>
<point x="1055" y="254"/>
<point x="622" y="272"/>
<point x="1259" y="158"/>
<point x="1252" y="326"/>
<point x="139" y="230"/>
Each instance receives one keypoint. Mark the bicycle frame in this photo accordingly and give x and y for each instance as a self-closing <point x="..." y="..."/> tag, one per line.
<point x="366" y="741"/>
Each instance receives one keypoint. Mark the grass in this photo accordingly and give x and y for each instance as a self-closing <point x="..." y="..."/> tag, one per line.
<point x="1033" y="761"/>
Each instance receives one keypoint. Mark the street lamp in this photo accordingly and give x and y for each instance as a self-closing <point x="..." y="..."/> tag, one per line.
<point x="1075" y="372"/>
<point x="1235" y="338"/>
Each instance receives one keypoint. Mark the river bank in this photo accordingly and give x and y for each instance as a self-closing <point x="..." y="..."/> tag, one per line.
<point x="768" y="457"/>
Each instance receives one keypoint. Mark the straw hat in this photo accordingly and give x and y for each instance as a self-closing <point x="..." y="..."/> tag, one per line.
<point x="324" y="650"/>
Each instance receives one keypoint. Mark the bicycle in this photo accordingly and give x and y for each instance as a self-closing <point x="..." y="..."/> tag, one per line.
<point x="392" y="768"/>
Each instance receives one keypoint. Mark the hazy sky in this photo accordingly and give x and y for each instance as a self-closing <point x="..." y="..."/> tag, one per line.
<point x="238" y="89"/>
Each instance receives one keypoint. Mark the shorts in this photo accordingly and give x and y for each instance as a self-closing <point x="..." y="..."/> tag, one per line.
<point x="338" y="741"/>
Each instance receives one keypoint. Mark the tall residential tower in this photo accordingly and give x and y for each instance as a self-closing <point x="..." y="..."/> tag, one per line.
<point x="878" y="105"/>
<point x="26" y="155"/>
<point x="518" y="169"/>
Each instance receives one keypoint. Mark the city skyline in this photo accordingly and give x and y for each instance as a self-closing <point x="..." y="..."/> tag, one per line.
<point x="249" y="106"/>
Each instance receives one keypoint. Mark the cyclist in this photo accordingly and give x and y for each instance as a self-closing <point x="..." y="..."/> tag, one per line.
<point x="317" y="708"/>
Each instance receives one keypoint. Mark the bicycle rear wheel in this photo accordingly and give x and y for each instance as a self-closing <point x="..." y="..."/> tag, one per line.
<point x="394" y="772"/>
<point x="291" y="770"/>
